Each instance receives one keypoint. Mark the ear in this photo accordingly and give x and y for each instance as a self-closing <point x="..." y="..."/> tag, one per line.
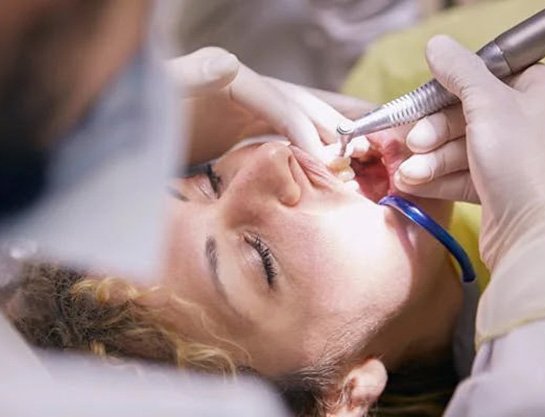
<point x="360" y="389"/>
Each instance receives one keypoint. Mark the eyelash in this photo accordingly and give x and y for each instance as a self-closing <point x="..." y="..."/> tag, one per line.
<point x="215" y="180"/>
<point x="254" y="241"/>
<point x="266" y="258"/>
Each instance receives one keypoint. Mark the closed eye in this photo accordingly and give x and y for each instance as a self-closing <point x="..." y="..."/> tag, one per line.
<point x="215" y="180"/>
<point x="266" y="256"/>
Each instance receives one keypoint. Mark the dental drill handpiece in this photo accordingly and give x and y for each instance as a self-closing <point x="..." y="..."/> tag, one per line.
<point x="508" y="54"/>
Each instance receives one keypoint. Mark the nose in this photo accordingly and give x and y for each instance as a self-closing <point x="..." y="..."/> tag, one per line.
<point x="263" y="182"/>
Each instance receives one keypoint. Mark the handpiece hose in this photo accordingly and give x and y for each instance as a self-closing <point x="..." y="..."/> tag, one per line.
<point x="508" y="54"/>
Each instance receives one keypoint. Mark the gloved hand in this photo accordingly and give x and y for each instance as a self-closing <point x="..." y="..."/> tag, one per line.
<point x="229" y="101"/>
<point x="499" y="134"/>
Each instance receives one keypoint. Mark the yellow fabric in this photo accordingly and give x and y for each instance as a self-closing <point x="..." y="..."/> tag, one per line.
<point x="464" y="227"/>
<point x="396" y="63"/>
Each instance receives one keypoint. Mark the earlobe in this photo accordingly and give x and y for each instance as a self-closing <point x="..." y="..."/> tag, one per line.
<point x="361" y="389"/>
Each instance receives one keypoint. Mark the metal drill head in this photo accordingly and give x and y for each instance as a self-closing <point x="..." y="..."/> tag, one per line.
<point x="345" y="140"/>
<point x="346" y="127"/>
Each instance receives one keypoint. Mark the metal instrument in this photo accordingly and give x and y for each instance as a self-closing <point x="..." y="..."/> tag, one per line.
<point x="508" y="54"/>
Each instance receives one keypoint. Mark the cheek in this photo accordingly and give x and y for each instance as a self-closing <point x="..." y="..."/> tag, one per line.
<point x="364" y="265"/>
<point x="182" y="252"/>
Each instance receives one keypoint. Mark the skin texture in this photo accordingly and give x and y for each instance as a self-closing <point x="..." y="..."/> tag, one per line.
<point x="349" y="273"/>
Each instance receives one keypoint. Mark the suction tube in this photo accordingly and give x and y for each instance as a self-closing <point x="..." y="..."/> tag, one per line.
<point x="418" y="216"/>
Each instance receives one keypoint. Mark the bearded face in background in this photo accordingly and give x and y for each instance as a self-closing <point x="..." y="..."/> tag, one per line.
<point x="55" y="58"/>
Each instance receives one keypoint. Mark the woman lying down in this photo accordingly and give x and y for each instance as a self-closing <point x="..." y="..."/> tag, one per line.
<point x="276" y="267"/>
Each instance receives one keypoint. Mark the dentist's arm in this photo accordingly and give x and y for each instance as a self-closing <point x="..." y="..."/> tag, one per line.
<point x="493" y="152"/>
<point x="228" y="101"/>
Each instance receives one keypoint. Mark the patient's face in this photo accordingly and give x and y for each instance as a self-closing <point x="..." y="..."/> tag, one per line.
<point x="291" y="263"/>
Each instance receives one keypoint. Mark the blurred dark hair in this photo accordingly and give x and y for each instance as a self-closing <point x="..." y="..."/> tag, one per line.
<point x="34" y="86"/>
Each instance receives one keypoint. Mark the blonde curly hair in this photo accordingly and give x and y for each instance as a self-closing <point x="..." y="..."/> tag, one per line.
<point x="56" y="308"/>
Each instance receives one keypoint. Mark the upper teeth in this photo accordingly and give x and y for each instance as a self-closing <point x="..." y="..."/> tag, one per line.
<point x="351" y="185"/>
<point x="345" y="174"/>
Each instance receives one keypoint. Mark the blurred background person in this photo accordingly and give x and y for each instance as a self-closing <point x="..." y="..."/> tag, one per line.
<point x="309" y="42"/>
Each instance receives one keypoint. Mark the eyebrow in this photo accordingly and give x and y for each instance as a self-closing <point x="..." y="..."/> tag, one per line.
<point x="211" y="253"/>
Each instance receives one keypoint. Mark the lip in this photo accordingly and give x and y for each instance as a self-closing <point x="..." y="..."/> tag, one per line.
<point x="371" y="181"/>
<point x="315" y="171"/>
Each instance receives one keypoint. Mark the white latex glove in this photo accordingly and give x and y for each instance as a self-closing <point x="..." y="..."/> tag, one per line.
<point x="502" y="144"/>
<point x="203" y="71"/>
<point x="230" y="101"/>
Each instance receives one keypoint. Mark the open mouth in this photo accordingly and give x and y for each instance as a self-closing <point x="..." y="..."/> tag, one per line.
<point x="374" y="173"/>
<point x="372" y="177"/>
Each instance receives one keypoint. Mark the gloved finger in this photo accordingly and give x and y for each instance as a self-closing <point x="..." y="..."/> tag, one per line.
<point x="454" y="187"/>
<point x="348" y="106"/>
<point x="437" y="129"/>
<point x="390" y="145"/>
<point x="463" y="73"/>
<point x="322" y="115"/>
<point x="207" y="69"/>
<point x="423" y="168"/>
<point x="531" y="81"/>
<point x="260" y="97"/>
